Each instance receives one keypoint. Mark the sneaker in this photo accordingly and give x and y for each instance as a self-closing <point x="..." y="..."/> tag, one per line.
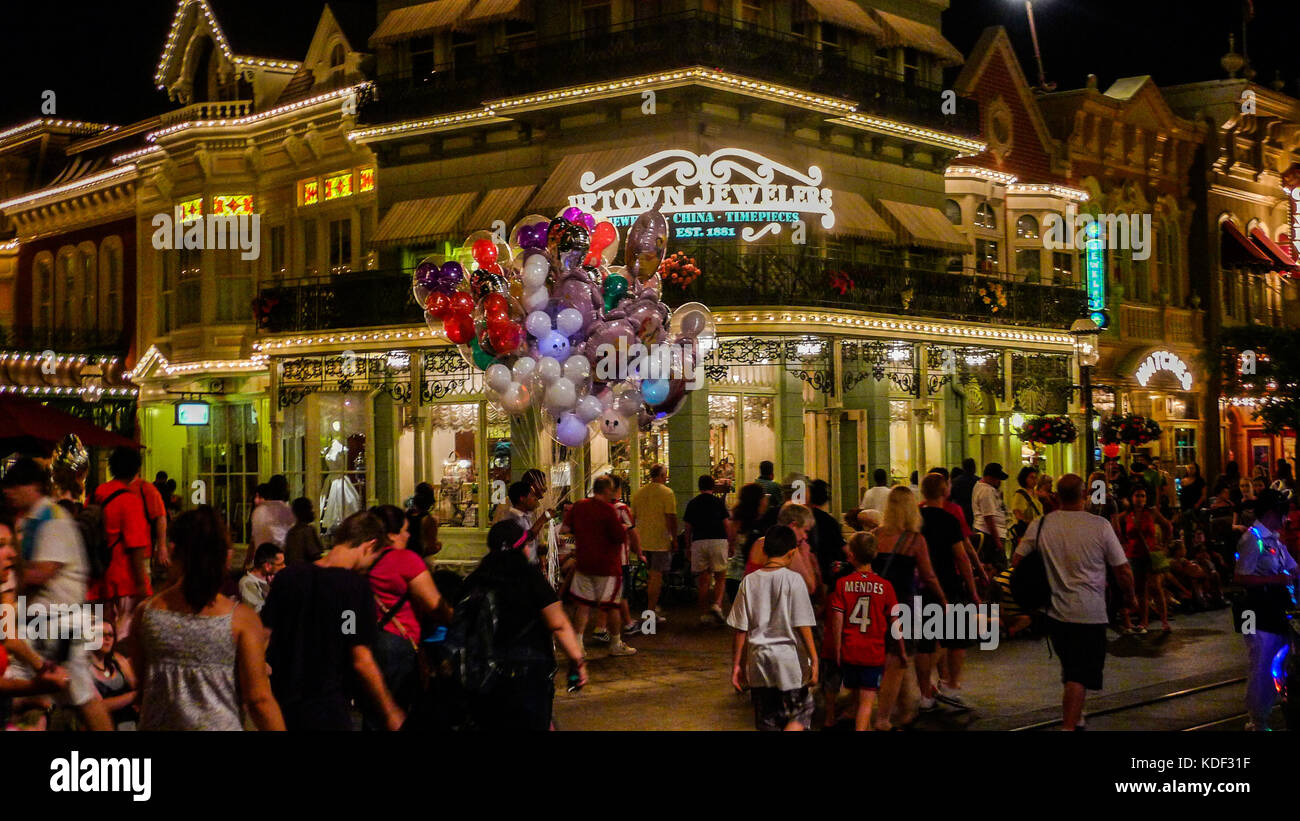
<point x="1139" y="631"/>
<point x="659" y="616"/>
<point x="951" y="697"/>
<point x="926" y="703"/>
<point x="708" y="619"/>
<point x="717" y="611"/>
<point x="621" y="649"/>
<point x="632" y="627"/>
<point x="600" y="636"/>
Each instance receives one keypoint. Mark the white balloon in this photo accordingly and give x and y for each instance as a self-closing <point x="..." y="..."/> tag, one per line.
<point x="536" y="267"/>
<point x="615" y="426"/>
<point x="515" y="398"/>
<point x="561" y="396"/>
<point x="588" y="408"/>
<point x="629" y="402"/>
<point x="524" y="367"/>
<point x="498" y="377"/>
<point x="538" y="324"/>
<point x="578" y="369"/>
<point x="536" y="299"/>
<point x="549" y="369"/>
<point x="569" y="321"/>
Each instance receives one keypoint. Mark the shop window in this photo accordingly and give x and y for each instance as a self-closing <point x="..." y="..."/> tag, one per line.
<point x="227" y="452"/>
<point x="985" y="218"/>
<point x="1026" y="227"/>
<point x="342" y="449"/>
<point x="422" y="57"/>
<point x="1029" y="262"/>
<point x="453" y="431"/>
<point x="340" y="261"/>
<point x="986" y="256"/>
<point x="293" y="452"/>
<point x="952" y="210"/>
<point x="654" y="450"/>
<point x="1185" y="446"/>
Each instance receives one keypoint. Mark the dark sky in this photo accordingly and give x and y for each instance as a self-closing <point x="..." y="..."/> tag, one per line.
<point x="101" y="67"/>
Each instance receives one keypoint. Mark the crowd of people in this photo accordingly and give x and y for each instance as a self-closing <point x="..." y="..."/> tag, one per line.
<point x="364" y="631"/>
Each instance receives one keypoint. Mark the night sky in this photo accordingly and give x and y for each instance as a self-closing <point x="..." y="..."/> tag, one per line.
<point x="102" y="66"/>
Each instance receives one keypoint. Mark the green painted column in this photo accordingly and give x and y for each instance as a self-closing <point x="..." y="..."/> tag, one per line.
<point x="846" y="495"/>
<point x="790" y="427"/>
<point x="688" y="446"/>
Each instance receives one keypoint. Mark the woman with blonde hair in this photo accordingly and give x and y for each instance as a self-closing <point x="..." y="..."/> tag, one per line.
<point x="902" y="557"/>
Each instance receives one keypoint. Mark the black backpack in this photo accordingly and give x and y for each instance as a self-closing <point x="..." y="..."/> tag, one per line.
<point x="478" y="655"/>
<point x="1029" y="584"/>
<point x="89" y="520"/>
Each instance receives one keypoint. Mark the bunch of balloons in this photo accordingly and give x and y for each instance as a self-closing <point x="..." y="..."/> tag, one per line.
<point x="555" y="325"/>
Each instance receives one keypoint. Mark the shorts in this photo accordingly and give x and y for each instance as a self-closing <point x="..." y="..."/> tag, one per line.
<point x="660" y="561"/>
<point x="709" y="556"/>
<point x="860" y="677"/>
<point x="597" y="591"/>
<point x="1082" y="649"/>
<point x="774" y="709"/>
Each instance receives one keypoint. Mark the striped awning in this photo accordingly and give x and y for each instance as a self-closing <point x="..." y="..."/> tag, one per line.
<point x="848" y="14"/>
<point x="923" y="226"/>
<point x="554" y="194"/>
<point x="506" y="204"/>
<point x="1238" y="250"/>
<point x="428" y="219"/>
<point x="414" y="21"/>
<point x="905" y="33"/>
<point x="854" y="217"/>
<point x="491" y="11"/>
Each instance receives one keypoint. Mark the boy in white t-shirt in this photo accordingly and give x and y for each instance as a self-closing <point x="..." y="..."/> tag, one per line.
<point x="772" y="614"/>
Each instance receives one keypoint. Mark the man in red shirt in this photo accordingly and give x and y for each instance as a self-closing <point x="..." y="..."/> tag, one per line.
<point x="127" y="530"/>
<point x="598" y="536"/>
<point x="860" y="610"/>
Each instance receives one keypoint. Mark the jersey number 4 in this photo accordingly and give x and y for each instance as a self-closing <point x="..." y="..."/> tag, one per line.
<point x="861" y="615"/>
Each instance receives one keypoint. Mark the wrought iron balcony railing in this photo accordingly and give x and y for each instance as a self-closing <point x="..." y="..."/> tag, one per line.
<point x="664" y="43"/>
<point x="368" y="299"/>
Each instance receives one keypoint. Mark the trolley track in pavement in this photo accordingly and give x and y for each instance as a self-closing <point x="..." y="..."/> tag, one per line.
<point x="1144" y="707"/>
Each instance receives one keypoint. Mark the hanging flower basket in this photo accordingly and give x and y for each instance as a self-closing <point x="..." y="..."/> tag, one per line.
<point x="679" y="270"/>
<point x="994" y="296"/>
<point x="1049" y="430"/>
<point x="1128" y="429"/>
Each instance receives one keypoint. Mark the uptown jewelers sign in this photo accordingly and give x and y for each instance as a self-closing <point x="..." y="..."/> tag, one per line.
<point x="729" y="194"/>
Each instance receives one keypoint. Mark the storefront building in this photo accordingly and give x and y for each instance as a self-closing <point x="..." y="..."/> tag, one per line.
<point x="1243" y="247"/>
<point x="808" y="186"/>
<point x="1132" y="155"/>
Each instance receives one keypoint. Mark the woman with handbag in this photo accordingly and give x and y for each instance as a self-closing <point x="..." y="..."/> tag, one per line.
<point x="1025" y="504"/>
<point x="404" y="591"/>
<point x="1137" y="529"/>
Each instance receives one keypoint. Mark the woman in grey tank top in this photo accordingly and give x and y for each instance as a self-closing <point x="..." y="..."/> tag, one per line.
<point x="193" y="647"/>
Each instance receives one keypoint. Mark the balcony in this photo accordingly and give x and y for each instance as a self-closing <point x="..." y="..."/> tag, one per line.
<point x="1147" y="323"/>
<point x="663" y="43"/>
<point x="227" y="110"/>
<point x="731" y="280"/>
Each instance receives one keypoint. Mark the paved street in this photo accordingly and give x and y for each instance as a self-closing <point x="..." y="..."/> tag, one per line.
<point x="679" y="680"/>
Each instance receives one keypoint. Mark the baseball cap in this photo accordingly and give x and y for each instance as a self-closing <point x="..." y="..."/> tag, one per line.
<point x="994" y="470"/>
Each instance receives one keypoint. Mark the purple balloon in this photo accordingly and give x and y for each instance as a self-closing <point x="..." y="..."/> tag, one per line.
<point x="451" y="275"/>
<point x="572" y="213"/>
<point x="541" y="230"/>
<point x="587" y="221"/>
<point x="570" y="431"/>
<point x="426" y="274"/>
<point x="579" y="295"/>
<point x="528" y="237"/>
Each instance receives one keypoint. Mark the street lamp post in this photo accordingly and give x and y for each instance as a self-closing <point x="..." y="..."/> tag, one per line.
<point x="1085" y="333"/>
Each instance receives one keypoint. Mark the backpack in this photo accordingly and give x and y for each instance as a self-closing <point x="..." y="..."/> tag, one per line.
<point x="94" y="537"/>
<point x="480" y="658"/>
<point x="1029" y="584"/>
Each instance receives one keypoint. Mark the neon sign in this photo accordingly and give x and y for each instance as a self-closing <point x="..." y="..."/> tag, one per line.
<point x="731" y="192"/>
<point x="1293" y="196"/>
<point x="1096" y="267"/>
<point x="1164" y="361"/>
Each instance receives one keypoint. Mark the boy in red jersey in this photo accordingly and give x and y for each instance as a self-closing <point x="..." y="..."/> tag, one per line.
<point x="860" y="614"/>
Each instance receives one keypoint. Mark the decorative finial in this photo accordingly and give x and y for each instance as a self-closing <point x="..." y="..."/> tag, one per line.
<point x="1232" y="61"/>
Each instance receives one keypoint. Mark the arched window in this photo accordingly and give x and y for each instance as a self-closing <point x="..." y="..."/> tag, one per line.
<point x="43" y="290"/>
<point x="984" y="217"/>
<point x="337" y="55"/>
<point x="1026" y="227"/>
<point x="65" y="288"/>
<point x="952" y="210"/>
<point x="88" y="287"/>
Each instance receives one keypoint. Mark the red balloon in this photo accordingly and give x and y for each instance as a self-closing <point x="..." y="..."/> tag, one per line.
<point x="438" y="304"/>
<point x="504" y="335"/>
<point x="601" y="236"/>
<point x="485" y="252"/>
<point x="462" y="302"/>
<point x="495" y="306"/>
<point x="459" y="327"/>
<point x="1111" y="451"/>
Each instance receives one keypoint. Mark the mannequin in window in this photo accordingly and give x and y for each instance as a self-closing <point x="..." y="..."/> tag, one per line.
<point x="340" y="499"/>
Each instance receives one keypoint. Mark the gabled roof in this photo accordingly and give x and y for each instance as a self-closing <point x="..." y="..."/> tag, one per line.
<point x="244" y="29"/>
<point x="992" y="70"/>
